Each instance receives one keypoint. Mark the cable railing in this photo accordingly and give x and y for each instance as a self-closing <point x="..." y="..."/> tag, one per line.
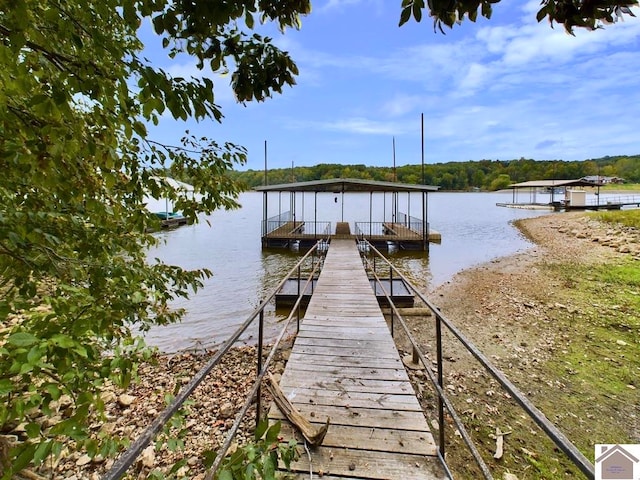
<point x="313" y="262"/>
<point x="437" y="379"/>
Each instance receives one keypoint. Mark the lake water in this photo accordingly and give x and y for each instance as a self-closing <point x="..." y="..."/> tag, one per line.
<point x="474" y="230"/>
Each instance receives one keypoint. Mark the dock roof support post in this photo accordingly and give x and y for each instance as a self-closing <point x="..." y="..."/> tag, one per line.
<point x="384" y="207"/>
<point x="315" y="214"/>
<point x="264" y="214"/>
<point x="370" y="213"/>
<point x="425" y="221"/>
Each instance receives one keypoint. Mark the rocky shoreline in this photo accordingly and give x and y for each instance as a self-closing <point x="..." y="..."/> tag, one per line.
<point x="210" y="413"/>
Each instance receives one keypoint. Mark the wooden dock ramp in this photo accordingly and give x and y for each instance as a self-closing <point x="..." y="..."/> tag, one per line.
<point x="344" y="365"/>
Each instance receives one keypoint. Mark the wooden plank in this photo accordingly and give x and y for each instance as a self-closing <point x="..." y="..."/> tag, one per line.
<point x="352" y="399"/>
<point x="344" y="359"/>
<point x="368" y="464"/>
<point x="398" y="387"/>
<point x="374" y="439"/>
<point x="360" y="417"/>
<point x="348" y="372"/>
<point x="363" y="352"/>
<point x="347" y="384"/>
<point x="375" y="343"/>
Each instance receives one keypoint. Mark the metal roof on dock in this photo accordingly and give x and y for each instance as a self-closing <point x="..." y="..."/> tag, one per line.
<point x="347" y="185"/>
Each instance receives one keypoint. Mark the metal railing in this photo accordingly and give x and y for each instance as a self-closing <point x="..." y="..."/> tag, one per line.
<point x="618" y="200"/>
<point x="387" y="230"/>
<point x="412" y="223"/>
<point x="284" y="226"/>
<point x="437" y="379"/>
<point x="128" y="458"/>
<point x="313" y="230"/>
<point x="275" y="222"/>
<point x="369" y="229"/>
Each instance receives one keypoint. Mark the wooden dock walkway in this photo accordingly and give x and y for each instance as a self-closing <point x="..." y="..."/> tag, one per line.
<point x="344" y="365"/>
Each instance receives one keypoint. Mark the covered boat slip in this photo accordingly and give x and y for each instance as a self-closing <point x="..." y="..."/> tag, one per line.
<point x="558" y="195"/>
<point x="384" y="225"/>
<point x="344" y="366"/>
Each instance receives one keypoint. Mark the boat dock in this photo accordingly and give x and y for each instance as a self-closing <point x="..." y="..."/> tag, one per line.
<point x="387" y="225"/>
<point x="344" y="366"/>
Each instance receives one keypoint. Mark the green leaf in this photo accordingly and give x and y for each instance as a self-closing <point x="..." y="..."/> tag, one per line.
<point x="22" y="339"/>
<point x="248" y="18"/>
<point x="62" y="340"/>
<point x="208" y="457"/>
<point x="417" y="10"/>
<point x="273" y="432"/>
<point x="542" y="13"/>
<point x="261" y="428"/>
<point x="178" y="465"/>
<point x="6" y="386"/>
<point x="42" y="452"/>
<point x="32" y="429"/>
<point x="24" y="457"/>
<point x="405" y="16"/>
<point x="269" y="468"/>
<point x="225" y="474"/>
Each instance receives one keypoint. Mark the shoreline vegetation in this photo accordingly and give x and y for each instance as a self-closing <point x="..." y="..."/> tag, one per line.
<point x="484" y="175"/>
<point x="560" y="320"/>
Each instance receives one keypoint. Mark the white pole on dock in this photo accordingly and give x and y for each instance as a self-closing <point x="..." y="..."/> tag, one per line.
<point x="394" y="195"/>
<point x="425" y="224"/>
<point x="265" y="227"/>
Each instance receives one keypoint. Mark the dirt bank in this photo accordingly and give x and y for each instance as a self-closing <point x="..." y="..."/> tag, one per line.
<point x="524" y="315"/>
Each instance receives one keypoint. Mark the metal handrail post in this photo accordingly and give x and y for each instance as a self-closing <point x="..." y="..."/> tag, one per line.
<point x="260" y="341"/>
<point x="440" y="383"/>
<point x="298" y="309"/>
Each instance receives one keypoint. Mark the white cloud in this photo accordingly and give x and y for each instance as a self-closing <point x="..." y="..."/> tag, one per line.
<point x="352" y="125"/>
<point x="474" y="79"/>
<point x="340" y="5"/>
<point x="401" y="104"/>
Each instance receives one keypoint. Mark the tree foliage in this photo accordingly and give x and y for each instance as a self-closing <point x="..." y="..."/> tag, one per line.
<point x="589" y="14"/>
<point x="76" y="97"/>
<point x="456" y="175"/>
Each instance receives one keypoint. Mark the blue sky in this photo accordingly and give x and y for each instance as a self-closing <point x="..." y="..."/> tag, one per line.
<point x="503" y="88"/>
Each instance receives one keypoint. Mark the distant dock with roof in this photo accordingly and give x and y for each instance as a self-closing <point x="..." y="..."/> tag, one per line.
<point x="566" y="195"/>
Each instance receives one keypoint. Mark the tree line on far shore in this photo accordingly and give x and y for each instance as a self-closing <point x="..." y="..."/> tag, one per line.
<point x="470" y="175"/>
